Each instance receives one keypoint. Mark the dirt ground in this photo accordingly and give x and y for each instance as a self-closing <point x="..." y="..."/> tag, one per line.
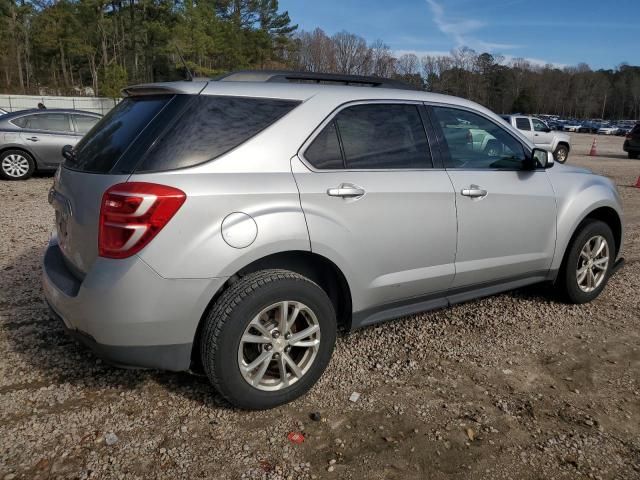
<point x="517" y="386"/>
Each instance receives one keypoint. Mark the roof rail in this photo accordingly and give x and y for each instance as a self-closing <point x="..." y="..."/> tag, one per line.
<point x="282" y="76"/>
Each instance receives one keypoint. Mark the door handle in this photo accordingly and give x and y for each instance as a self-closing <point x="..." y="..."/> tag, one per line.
<point x="346" y="191"/>
<point x="33" y="139"/>
<point x="474" y="191"/>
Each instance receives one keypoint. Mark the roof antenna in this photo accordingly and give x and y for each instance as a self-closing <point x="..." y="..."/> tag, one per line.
<point x="189" y="74"/>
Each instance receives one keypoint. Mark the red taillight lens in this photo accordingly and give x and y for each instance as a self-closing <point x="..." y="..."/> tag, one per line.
<point x="131" y="214"/>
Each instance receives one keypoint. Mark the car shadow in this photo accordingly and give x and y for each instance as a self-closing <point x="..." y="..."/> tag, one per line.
<point x="41" y="343"/>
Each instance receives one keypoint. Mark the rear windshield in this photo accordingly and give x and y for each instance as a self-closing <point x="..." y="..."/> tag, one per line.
<point x="158" y="133"/>
<point x="103" y="146"/>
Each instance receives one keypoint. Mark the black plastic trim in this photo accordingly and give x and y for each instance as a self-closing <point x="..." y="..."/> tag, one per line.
<point x="443" y="299"/>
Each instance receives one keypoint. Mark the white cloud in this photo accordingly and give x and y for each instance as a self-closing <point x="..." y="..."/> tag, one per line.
<point x="461" y="31"/>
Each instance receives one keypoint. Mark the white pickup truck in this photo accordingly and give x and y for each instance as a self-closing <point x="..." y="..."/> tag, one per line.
<point x="539" y="133"/>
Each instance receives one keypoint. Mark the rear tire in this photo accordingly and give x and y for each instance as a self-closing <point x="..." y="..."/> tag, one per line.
<point x="241" y="328"/>
<point x="571" y="284"/>
<point x="16" y="165"/>
<point x="561" y="154"/>
<point x="633" y="156"/>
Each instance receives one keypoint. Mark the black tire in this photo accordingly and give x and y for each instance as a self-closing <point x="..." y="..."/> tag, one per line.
<point x="561" y="154"/>
<point x="5" y="175"/>
<point x="567" y="283"/>
<point x="633" y="155"/>
<point x="231" y="314"/>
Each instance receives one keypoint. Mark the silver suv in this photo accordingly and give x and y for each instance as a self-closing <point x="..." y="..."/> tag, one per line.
<point x="233" y="226"/>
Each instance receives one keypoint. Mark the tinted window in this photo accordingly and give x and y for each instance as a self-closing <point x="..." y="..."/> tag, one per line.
<point x="523" y="123"/>
<point x="476" y="142"/>
<point x="324" y="152"/>
<point x="55" y="122"/>
<point x="100" y="150"/>
<point x="211" y="126"/>
<point x="84" y="123"/>
<point x="383" y="136"/>
<point x="538" y="125"/>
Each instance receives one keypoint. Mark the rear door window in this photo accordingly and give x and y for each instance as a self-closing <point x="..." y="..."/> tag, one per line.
<point x="324" y="151"/>
<point x="523" y="123"/>
<point x="52" y="122"/>
<point x="210" y="126"/>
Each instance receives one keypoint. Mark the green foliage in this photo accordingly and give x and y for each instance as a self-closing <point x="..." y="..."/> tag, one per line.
<point x="62" y="45"/>
<point x="114" y="79"/>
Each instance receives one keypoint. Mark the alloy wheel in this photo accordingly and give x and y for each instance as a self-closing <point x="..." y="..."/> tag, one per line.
<point x="279" y="346"/>
<point x="15" y="165"/>
<point x="592" y="263"/>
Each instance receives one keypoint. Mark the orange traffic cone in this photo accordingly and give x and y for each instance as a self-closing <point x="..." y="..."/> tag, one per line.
<point x="594" y="147"/>
<point x="637" y="185"/>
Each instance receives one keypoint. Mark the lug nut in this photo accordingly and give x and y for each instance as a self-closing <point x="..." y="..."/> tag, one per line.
<point x="276" y="356"/>
<point x="287" y="336"/>
<point x="287" y="348"/>
<point x="268" y="347"/>
<point x="275" y="334"/>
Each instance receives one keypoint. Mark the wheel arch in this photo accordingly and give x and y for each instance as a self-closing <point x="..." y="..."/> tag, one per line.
<point x="605" y="214"/>
<point x="316" y="267"/>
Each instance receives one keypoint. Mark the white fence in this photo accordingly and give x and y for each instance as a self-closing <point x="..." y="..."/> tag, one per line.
<point x="100" y="105"/>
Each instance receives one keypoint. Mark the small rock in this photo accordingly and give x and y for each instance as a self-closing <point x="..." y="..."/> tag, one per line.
<point x="331" y="468"/>
<point x="315" y="416"/>
<point x="471" y="434"/>
<point x="507" y="371"/>
<point x="355" y="396"/>
<point x="110" y="438"/>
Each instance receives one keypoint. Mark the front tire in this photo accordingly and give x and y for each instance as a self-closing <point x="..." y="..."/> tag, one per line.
<point x="633" y="155"/>
<point x="268" y="338"/>
<point x="561" y="154"/>
<point x="588" y="263"/>
<point x="16" y="165"/>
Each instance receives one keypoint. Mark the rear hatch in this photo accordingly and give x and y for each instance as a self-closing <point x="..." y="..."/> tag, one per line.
<point x="156" y="129"/>
<point x="104" y="157"/>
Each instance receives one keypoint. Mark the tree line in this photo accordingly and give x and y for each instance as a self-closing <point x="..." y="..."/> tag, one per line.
<point x="99" y="46"/>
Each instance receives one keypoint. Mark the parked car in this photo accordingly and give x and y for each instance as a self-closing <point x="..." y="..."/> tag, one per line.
<point x="632" y="142"/>
<point x="623" y="130"/>
<point x="573" y="127"/>
<point x="608" y="130"/>
<point x="541" y="135"/>
<point x="32" y="140"/>
<point x="233" y="226"/>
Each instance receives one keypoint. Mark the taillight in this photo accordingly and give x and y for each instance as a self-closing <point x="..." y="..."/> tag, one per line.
<point x="131" y="214"/>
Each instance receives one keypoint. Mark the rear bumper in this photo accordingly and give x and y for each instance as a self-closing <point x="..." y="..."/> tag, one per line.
<point x="125" y="312"/>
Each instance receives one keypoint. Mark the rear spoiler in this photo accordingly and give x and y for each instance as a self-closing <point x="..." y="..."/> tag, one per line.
<point x="167" y="88"/>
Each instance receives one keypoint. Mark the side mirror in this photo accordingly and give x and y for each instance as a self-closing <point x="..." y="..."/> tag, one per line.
<point x="546" y="129"/>
<point x="542" y="158"/>
<point x="67" y="152"/>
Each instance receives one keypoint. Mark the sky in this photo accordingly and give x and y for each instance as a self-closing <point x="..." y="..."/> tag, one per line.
<point x="600" y="33"/>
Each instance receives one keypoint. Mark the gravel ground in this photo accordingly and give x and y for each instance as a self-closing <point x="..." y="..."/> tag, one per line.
<point x="513" y="386"/>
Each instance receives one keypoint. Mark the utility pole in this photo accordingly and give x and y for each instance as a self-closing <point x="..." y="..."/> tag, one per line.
<point x="604" y="104"/>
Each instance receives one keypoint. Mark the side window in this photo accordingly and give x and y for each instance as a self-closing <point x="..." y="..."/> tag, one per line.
<point x="20" y="121"/>
<point x="538" y="125"/>
<point x="84" y="123"/>
<point x="377" y="136"/>
<point x="54" y="122"/>
<point x="324" y="152"/>
<point x="476" y="142"/>
<point x="523" y="123"/>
